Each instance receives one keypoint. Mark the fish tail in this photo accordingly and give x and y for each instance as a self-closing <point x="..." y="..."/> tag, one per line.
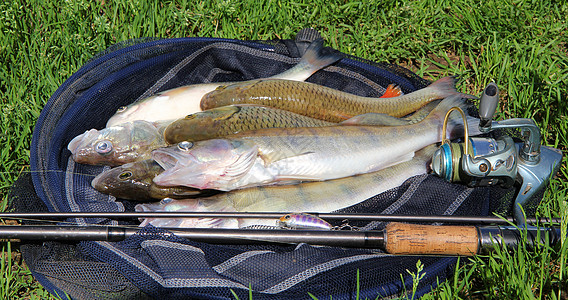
<point x="455" y="125"/>
<point x="392" y="91"/>
<point x="314" y="59"/>
<point x="446" y="87"/>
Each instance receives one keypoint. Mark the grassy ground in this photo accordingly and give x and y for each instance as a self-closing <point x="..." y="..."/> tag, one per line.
<point x="522" y="45"/>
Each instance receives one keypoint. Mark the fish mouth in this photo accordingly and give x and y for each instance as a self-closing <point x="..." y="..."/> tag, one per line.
<point x="96" y="183"/>
<point x="81" y="140"/>
<point x="102" y="184"/>
<point x="171" y="162"/>
<point x="166" y="159"/>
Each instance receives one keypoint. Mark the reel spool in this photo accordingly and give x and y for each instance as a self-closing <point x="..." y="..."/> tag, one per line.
<point x="478" y="161"/>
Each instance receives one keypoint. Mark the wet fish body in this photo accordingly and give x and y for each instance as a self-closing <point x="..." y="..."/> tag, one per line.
<point x="233" y="119"/>
<point x="324" y="103"/>
<point x="277" y="155"/>
<point x="321" y="197"/>
<point x="179" y="102"/>
<point x="133" y="181"/>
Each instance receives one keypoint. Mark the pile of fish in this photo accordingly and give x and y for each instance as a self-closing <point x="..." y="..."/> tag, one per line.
<point x="277" y="144"/>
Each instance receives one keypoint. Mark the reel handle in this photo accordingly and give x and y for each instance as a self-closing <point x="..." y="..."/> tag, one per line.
<point x="487" y="106"/>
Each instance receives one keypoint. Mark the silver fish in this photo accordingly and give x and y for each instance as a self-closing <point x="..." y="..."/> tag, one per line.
<point x="179" y="102"/>
<point x="321" y="197"/>
<point x="277" y="155"/>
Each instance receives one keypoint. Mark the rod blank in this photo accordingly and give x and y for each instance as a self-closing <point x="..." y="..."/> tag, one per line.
<point x="357" y="239"/>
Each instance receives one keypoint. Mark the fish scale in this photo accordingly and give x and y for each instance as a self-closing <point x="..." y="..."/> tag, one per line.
<point x="324" y="103"/>
<point x="228" y="120"/>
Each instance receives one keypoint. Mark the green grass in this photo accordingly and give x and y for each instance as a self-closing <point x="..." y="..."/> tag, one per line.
<point x="522" y="45"/>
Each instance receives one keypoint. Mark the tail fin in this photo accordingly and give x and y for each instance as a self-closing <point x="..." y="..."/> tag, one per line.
<point x="313" y="60"/>
<point x="455" y="127"/>
<point x="447" y="87"/>
<point x="392" y="91"/>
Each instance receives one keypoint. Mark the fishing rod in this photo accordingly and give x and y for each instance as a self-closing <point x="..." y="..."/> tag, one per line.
<point x="483" y="220"/>
<point x="396" y="238"/>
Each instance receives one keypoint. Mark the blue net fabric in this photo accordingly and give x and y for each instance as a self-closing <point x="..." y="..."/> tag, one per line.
<point x="158" y="264"/>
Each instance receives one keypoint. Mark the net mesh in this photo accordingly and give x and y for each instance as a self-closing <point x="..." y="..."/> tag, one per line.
<point x="156" y="264"/>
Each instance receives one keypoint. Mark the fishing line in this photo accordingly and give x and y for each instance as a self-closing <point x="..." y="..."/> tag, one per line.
<point x="49" y="171"/>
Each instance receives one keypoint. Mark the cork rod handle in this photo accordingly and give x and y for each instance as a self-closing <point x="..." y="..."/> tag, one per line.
<point x="429" y="239"/>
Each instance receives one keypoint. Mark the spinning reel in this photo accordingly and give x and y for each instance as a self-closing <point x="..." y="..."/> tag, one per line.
<point x="483" y="161"/>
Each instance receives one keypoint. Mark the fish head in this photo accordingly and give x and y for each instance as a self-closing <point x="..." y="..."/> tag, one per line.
<point x="116" y="145"/>
<point x="188" y="205"/>
<point x="226" y="95"/>
<point x="130" y="181"/>
<point x="200" y="125"/>
<point x="209" y="164"/>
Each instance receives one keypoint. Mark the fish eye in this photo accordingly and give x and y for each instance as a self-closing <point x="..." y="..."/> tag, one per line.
<point x="189" y="117"/>
<point x="103" y="147"/>
<point x="287" y="217"/>
<point x="166" y="201"/>
<point x="121" y="109"/>
<point x="125" y="175"/>
<point x="185" y="146"/>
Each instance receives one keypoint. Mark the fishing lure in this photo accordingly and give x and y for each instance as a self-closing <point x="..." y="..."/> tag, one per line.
<point x="303" y="221"/>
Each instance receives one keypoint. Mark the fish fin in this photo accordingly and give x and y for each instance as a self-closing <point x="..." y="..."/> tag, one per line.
<point x="314" y="59"/>
<point x="455" y="121"/>
<point x="392" y="91"/>
<point x="242" y="164"/>
<point x="375" y="119"/>
<point x="447" y="87"/>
